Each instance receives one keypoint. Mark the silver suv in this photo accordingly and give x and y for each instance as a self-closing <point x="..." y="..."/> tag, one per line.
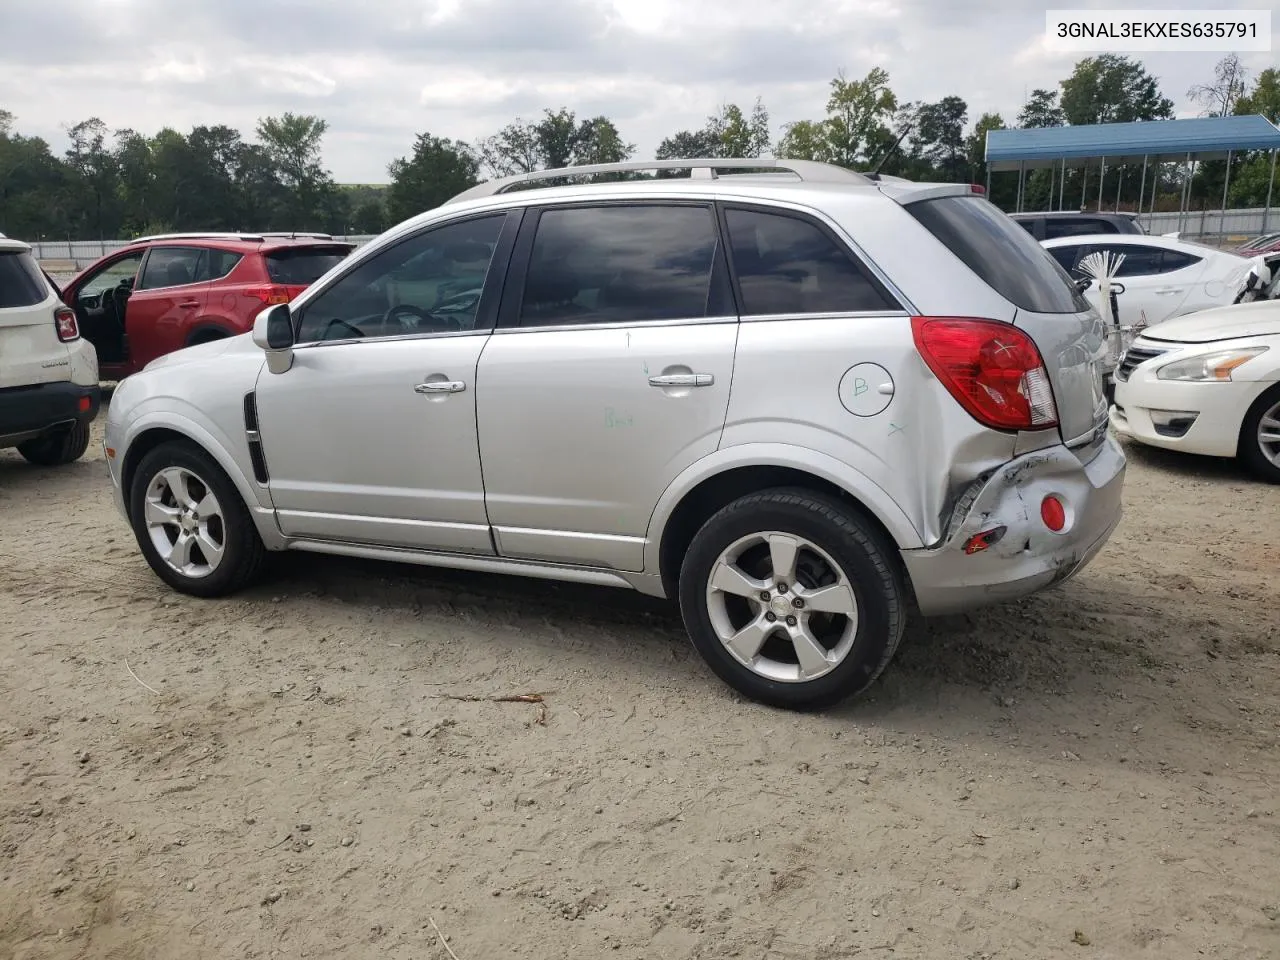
<point x="799" y="400"/>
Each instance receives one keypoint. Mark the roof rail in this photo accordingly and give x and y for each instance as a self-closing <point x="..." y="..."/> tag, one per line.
<point x="701" y="168"/>
<point x="233" y="235"/>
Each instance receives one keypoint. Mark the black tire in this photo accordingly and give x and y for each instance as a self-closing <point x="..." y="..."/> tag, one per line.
<point x="243" y="552"/>
<point x="59" y="448"/>
<point x="1250" y="448"/>
<point x="868" y="562"/>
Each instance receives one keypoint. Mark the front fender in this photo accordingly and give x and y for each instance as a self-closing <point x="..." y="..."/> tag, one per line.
<point x="230" y="452"/>
<point x="857" y="484"/>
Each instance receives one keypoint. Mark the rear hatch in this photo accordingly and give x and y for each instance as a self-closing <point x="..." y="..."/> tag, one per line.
<point x="30" y="351"/>
<point x="297" y="266"/>
<point x="1066" y="328"/>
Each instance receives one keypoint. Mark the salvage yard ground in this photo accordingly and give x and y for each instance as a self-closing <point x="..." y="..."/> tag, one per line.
<point x="1091" y="772"/>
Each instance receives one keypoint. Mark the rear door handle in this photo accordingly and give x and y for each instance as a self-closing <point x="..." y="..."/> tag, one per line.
<point x="1165" y="291"/>
<point x="187" y="304"/>
<point x="441" y="386"/>
<point x="682" y="380"/>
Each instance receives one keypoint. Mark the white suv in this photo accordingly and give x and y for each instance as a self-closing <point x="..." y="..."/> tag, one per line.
<point x="794" y="401"/>
<point x="48" y="375"/>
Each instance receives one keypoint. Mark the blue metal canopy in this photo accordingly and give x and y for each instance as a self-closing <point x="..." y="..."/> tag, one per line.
<point x="1202" y="138"/>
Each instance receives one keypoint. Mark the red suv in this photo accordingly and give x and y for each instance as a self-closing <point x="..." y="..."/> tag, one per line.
<point x="160" y="294"/>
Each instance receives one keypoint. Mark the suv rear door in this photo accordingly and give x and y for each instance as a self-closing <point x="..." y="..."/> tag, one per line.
<point x="30" y="351"/>
<point x="608" y="375"/>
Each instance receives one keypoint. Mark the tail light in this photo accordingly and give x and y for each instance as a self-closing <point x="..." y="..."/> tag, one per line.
<point x="65" y="320"/>
<point x="993" y="370"/>
<point x="270" y="295"/>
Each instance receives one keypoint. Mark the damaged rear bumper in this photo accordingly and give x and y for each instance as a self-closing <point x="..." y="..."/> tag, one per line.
<point x="1026" y="556"/>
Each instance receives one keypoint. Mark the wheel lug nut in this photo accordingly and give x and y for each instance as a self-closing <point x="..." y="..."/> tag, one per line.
<point x="764" y="595"/>
<point x="782" y="588"/>
<point x="791" y="621"/>
<point x="770" y="617"/>
<point x="798" y="603"/>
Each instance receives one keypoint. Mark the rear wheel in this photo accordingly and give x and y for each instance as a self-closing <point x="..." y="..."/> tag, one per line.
<point x="59" y="448"/>
<point x="792" y="598"/>
<point x="191" y="524"/>
<point x="1260" y="436"/>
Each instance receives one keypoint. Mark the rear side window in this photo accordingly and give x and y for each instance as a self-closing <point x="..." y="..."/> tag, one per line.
<point x="1004" y="255"/>
<point x="622" y="264"/>
<point x="1176" y="260"/>
<point x="303" y="266"/>
<point x="1066" y="256"/>
<point x="217" y="264"/>
<point x="21" y="282"/>
<point x="788" y="265"/>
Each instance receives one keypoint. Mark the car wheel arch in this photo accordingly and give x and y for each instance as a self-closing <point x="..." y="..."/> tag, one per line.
<point x="205" y="331"/>
<point x="697" y="495"/>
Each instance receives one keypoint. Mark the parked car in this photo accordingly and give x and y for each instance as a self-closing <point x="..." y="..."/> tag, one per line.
<point x="1161" y="277"/>
<point x="537" y="382"/>
<point x="1054" y="224"/>
<point x="48" y="375"/>
<point x="160" y="294"/>
<point x="1208" y="383"/>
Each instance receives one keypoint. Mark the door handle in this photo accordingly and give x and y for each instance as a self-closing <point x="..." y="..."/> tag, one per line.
<point x="189" y="303"/>
<point x="441" y="386"/>
<point x="682" y="380"/>
<point x="1165" y="291"/>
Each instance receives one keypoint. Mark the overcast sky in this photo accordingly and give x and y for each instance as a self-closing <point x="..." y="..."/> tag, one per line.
<point x="382" y="70"/>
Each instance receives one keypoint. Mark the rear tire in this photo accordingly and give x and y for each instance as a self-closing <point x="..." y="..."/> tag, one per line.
<point x="1266" y="465"/>
<point x="793" y="599"/>
<point x="57" y="449"/>
<point x="191" y="524"/>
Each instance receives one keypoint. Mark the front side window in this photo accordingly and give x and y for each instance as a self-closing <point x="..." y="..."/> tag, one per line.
<point x="171" y="267"/>
<point x="621" y="264"/>
<point x="430" y="283"/>
<point x="788" y="265"/>
<point x="112" y="275"/>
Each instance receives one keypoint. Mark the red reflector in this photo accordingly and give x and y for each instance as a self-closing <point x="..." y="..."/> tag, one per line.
<point x="980" y="541"/>
<point x="1053" y="513"/>
<point x="84" y="404"/>
<point x="993" y="370"/>
<point x="977" y="188"/>
<point x="65" y="319"/>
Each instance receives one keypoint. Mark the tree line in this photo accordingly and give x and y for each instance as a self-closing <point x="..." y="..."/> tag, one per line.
<point x="120" y="183"/>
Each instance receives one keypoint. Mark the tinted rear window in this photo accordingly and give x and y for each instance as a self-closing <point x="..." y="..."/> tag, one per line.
<point x="21" y="282"/>
<point x="999" y="251"/>
<point x="303" y="266"/>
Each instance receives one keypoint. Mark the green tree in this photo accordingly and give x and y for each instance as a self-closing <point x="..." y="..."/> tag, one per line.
<point x="435" y="171"/>
<point x="291" y="143"/>
<point x="689" y="145"/>
<point x="1264" y="98"/>
<point x="857" y="111"/>
<point x="940" y="127"/>
<point x="1112" y="89"/>
<point x="804" y="140"/>
<point x="1041" y="110"/>
<point x="96" y="176"/>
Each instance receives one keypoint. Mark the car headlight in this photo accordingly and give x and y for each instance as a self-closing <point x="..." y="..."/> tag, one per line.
<point x="1210" y="366"/>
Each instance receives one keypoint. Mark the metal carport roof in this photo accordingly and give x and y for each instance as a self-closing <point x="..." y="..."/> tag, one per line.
<point x="1202" y="138"/>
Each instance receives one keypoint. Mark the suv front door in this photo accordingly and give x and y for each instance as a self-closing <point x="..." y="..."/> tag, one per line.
<point x="168" y="296"/>
<point x="370" y="436"/>
<point x="608" y="375"/>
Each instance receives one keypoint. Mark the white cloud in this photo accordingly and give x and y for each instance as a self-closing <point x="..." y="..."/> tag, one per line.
<point x="381" y="71"/>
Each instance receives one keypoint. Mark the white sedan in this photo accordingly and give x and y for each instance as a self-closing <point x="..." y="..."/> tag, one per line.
<point x="1207" y="383"/>
<point x="1163" y="277"/>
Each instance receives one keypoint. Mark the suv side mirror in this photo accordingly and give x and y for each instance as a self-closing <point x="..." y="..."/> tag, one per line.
<point x="273" y="332"/>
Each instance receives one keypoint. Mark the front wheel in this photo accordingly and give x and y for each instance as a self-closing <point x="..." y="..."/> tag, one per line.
<point x="191" y="524"/>
<point x="792" y="598"/>
<point x="1260" y="436"/>
<point x="57" y="449"/>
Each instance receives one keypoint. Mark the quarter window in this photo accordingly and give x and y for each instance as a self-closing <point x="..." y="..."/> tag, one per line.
<point x="171" y="267"/>
<point x="216" y="264"/>
<point x="622" y="264"/>
<point x="430" y="283"/>
<point x="787" y="265"/>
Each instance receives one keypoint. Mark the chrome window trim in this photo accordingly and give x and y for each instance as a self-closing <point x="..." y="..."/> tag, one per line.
<point x="826" y="315"/>
<point x="679" y="322"/>
<point x="434" y="335"/>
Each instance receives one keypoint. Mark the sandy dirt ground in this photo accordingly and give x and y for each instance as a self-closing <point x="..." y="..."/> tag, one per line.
<point x="1091" y="772"/>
